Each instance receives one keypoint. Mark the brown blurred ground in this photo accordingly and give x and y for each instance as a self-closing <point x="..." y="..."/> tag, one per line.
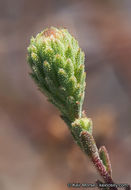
<point x="36" y="149"/>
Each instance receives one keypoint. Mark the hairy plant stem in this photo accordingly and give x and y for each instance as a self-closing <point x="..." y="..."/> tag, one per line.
<point x="102" y="171"/>
<point x="88" y="145"/>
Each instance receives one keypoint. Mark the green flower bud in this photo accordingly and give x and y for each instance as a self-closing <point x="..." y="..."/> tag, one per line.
<point x="57" y="65"/>
<point x="84" y="123"/>
<point x="81" y="125"/>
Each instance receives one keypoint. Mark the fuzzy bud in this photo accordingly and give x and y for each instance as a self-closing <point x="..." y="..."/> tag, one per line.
<point x="57" y="65"/>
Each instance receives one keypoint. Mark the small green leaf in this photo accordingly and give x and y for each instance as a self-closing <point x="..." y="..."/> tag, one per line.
<point x="62" y="77"/>
<point x="58" y="62"/>
<point x="69" y="67"/>
<point x="79" y="58"/>
<point x="104" y="156"/>
<point x="79" y="73"/>
<point x="71" y="85"/>
<point x="84" y="123"/>
<point x="69" y="52"/>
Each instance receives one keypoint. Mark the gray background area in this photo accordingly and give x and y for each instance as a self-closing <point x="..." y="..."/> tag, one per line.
<point x="37" y="151"/>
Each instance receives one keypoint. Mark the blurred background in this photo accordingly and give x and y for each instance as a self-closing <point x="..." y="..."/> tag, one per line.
<point x="37" y="151"/>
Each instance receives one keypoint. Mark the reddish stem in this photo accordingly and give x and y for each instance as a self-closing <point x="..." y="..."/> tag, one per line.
<point x="101" y="169"/>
